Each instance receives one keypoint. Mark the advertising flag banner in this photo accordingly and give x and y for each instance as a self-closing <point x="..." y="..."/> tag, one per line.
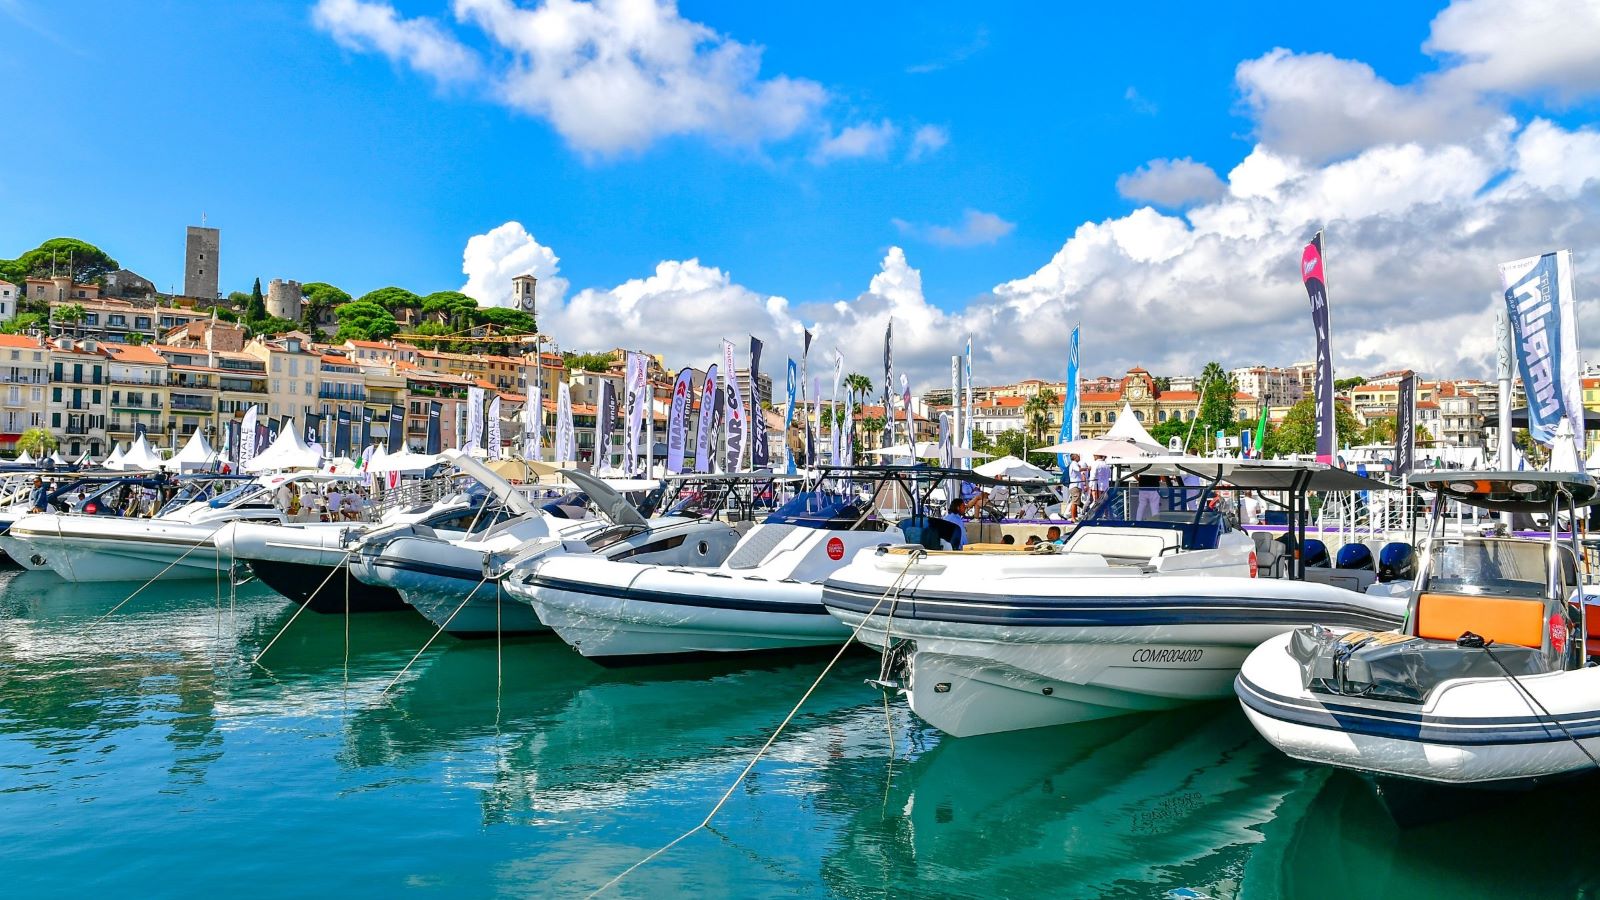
<point x="760" y="451"/>
<point x="474" y="417"/>
<point x="1261" y="434"/>
<point x="367" y="438"/>
<point x="1544" y="341"/>
<point x="313" y="430"/>
<point x="1311" y="272"/>
<point x="233" y="442"/>
<point x="435" y="427"/>
<point x="397" y="428"/>
<point x="341" y="434"/>
<point x="605" y="424"/>
<point x="905" y="404"/>
<point x="459" y="410"/>
<point x="788" y="416"/>
<point x="709" y="392"/>
<point x="1405" y="427"/>
<point x="632" y="411"/>
<point x="833" y="409"/>
<point x="966" y="407"/>
<point x="888" y="383"/>
<point x="493" y="430"/>
<point x="737" y="420"/>
<point x="814" y="432"/>
<point x="678" y="420"/>
<point x="533" y="425"/>
<point x="1069" y="399"/>
<point x="565" y="451"/>
<point x="272" y="431"/>
<point x="247" y="439"/>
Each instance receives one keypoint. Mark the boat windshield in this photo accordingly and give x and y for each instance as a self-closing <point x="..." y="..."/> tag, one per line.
<point x="225" y="500"/>
<point x="1178" y="507"/>
<point x="819" y="509"/>
<point x="1499" y="567"/>
<point x="613" y="535"/>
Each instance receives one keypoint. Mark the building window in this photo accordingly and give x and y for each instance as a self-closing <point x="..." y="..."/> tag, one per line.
<point x="1097" y="418"/>
<point x="1138" y="414"/>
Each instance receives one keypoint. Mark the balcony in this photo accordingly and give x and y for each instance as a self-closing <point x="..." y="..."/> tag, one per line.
<point x="147" y="381"/>
<point x="183" y="404"/>
<point x="84" y="379"/>
<point x="35" y="378"/>
<point x="342" y="396"/>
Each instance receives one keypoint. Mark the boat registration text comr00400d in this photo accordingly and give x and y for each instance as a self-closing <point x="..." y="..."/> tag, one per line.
<point x="1167" y="655"/>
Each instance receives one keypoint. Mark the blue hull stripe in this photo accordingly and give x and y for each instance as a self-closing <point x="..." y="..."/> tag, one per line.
<point x="1104" y="611"/>
<point x="1408" y="726"/>
<point x="673" y="599"/>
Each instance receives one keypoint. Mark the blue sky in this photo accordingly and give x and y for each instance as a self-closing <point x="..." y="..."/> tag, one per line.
<point x="327" y="157"/>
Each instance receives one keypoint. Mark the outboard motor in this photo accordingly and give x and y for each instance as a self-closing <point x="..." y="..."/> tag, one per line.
<point x="1397" y="562"/>
<point x="1315" y="554"/>
<point x="1355" y="556"/>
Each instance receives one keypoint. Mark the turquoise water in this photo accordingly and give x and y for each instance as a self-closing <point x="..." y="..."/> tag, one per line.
<point x="142" y="755"/>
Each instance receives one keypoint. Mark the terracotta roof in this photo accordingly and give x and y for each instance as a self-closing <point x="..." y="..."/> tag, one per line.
<point x="20" y="340"/>
<point x="137" y="353"/>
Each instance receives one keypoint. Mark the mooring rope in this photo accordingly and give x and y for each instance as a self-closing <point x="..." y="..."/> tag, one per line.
<point x="442" y="627"/>
<point x="343" y="561"/>
<point x="156" y="577"/>
<point x="893" y="589"/>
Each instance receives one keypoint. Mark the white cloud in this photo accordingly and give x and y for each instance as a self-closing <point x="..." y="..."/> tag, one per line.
<point x="1138" y="102"/>
<point x="976" y="227"/>
<point x="376" y="27"/>
<point x="492" y="259"/>
<point x="611" y="76"/>
<point x="1171" y="182"/>
<point x="1522" y="47"/>
<point x="926" y="141"/>
<point x="869" y="139"/>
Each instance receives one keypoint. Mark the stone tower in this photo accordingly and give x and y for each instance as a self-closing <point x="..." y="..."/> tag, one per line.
<point x="284" y="299"/>
<point x="200" y="259"/>
<point x="522" y="292"/>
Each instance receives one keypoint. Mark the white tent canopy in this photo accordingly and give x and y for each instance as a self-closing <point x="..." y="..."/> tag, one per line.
<point x="140" y="457"/>
<point x="1009" y="467"/>
<point x="404" y="461"/>
<point x="196" y="454"/>
<point x="114" y="461"/>
<point x="25" y="459"/>
<point x="1129" y="428"/>
<point x="56" y="458"/>
<point x="289" y="451"/>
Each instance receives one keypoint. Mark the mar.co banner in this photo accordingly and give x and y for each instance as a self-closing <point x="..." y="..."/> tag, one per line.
<point x="1405" y="427"/>
<point x="708" y="407"/>
<point x="738" y="422"/>
<point x="678" y="420"/>
<point x="1311" y="272"/>
<point x="1544" y="339"/>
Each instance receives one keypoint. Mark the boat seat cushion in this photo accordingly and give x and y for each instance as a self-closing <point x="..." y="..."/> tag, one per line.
<point x="1504" y="620"/>
<point x="1122" y="543"/>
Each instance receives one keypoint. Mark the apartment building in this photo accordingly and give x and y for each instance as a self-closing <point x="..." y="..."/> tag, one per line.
<point x="79" y="390"/>
<point x="138" y="386"/>
<point x="24" y="379"/>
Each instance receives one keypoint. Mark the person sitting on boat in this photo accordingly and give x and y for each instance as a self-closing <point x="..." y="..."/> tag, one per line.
<point x="1077" y="485"/>
<point x="955" y="516"/>
<point x="1052" y="535"/>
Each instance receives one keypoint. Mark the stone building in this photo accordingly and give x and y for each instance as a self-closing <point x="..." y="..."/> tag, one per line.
<point x="284" y="299"/>
<point x="201" y="257"/>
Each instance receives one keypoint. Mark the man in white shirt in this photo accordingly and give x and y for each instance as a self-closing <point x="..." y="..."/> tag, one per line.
<point x="335" y="504"/>
<point x="1077" y="485"/>
<point x="1101" y="478"/>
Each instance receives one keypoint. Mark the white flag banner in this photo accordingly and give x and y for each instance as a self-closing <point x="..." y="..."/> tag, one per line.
<point x="633" y="408"/>
<point x="737" y="422"/>
<point x="247" y="437"/>
<point x="533" y="425"/>
<point x="474" y="418"/>
<point x="494" y="428"/>
<point x="703" y="445"/>
<point x="564" y="450"/>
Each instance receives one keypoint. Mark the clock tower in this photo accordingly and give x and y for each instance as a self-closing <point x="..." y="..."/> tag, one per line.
<point x="522" y="292"/>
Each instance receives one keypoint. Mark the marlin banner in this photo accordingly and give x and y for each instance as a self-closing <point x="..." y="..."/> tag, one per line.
<point x="367" y="439"/>
<point x="474" y="417"/>
<point x="760" y="450"/>
<point x="678" y="420"/>
<point x="341" y="434"/>
<point x="1405" y="427"/>
<point x="632" y="411"/>
<point x="564" y="450"/>
<point x="1544" y="339"/>
<point x="708" y="406"/>
<point x="605" y="423"/>
<point x="1069" y="400"/>
<point x="435" y="427"/>
<point x="1311" y="271"/>
<point x="788" y="417"/>
<point x="738" y="421"/>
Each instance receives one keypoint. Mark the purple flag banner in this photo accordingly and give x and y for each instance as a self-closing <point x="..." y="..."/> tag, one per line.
<point x="1311" y="272"/>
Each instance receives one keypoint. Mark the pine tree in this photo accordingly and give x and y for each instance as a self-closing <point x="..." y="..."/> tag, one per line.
<point x="257" y="309"/>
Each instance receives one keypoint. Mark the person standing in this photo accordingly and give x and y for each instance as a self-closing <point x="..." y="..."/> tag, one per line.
<point x="39" y="495"/>
<point x="1077" y="485"/>
<point x="1101" y="478"/>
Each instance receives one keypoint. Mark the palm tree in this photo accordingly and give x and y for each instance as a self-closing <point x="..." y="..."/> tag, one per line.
<point x="856" y="383"/>
<point x="1036" y="413"/>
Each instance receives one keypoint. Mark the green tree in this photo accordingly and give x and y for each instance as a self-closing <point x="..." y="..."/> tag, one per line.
<point x="87" y="262"/>
<point x="1217" y="389"/>
<point x="135" y="338"/>
<point x="225" y="314"/>
<point x="508" y="321"/>
<point x="393" y="298"/>
<point x="1298" y="433"/>
<point x="256" y="307"/>
<point x="1379" y="431"/>
<point x="37" y="442"/>
<point x="590" y="362"/>
<point x="1012" y="442"/>
<point x="271" y="325"/>
<point x="363" y="320"/>
<point x="1344" y="384"/>
<point x="23" y="323"/>
<point x="449" y="307"/>
<point x="1037" y="413"/>
<point x="1172" y="427"/>
<point x="319" y="296"/>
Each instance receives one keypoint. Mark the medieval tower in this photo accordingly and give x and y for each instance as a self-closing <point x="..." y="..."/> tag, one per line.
<point x="200" y="259"/>
<point x="284" y="299"/>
